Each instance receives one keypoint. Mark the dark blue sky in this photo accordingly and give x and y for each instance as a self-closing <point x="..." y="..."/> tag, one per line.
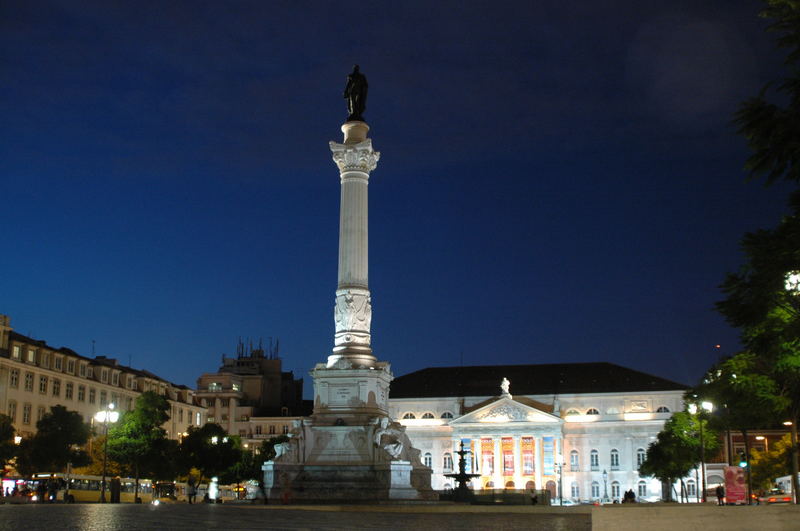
<point x="559" y="182"/>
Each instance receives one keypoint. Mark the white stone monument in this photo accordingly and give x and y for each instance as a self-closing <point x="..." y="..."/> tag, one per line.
<point x="350" y="450"/>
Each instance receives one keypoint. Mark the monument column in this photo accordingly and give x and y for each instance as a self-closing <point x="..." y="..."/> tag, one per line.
<point x="355" y="159"/>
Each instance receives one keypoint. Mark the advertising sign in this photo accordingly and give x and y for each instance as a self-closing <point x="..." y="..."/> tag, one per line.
<point x="528" y="449"/>
<point x="735" y="485"/>
<point x="549" y="456"/>
<point x="487" y="457"/>
<point x="507" y="444"/>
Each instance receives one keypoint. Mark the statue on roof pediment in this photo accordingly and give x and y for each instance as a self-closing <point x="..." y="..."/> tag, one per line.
<point x="505" y="411"/>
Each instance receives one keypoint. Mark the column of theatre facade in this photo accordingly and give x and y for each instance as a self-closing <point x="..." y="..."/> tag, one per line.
<point x="35" y="376"/>
<point x="596" y="441"/>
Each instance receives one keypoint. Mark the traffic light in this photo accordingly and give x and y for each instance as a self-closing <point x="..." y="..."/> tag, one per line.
<point x="743" y="459"/>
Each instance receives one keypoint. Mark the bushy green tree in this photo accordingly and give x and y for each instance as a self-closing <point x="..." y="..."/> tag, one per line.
<point x="772" y="463"/>
<point x="209" y="449"/>
<point x="7" y="447"/>
<point x="60" y="436"/>
<point x="137" y="440"/>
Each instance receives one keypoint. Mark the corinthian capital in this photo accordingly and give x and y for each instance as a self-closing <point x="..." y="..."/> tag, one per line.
<point x="355" y="157"/>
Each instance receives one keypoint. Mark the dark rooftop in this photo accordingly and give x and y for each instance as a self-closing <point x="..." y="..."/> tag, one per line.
<point x="544" y="379"/>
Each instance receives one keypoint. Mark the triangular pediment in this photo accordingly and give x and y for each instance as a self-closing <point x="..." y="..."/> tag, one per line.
<point x="506" y="410"/>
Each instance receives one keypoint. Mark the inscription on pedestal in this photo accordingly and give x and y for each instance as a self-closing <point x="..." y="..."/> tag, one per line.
<point x="341" y="395"/>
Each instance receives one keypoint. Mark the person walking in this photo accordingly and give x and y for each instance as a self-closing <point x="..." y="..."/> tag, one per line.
<point x="720" y="490"/>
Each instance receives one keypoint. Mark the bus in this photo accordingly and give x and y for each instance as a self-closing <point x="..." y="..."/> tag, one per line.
<point x="88" y="488"/>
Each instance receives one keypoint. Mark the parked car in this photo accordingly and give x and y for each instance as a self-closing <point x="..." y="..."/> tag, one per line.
<point x="775" y="496"/>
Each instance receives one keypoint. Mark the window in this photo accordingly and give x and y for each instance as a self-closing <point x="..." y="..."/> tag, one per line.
<point x="284" y="411"/>
<point x="89" y="372"/>
<point x="614" y="459"/>
<point x="211" y="418"/>
<point x="91" y="396"/>
<point x="642" y="489"/>
<point x="15" y="352"/>
<point x="285" y="429"/>
<point x="103" y="398"/>
<point x="428" y="416"/>
<point x="43" y="385"/>
<point x="573" y="412"/>
<point x="197" y="419"/>
<point x="115" y="378"/>
<point x="595" y="489"/>
<point x="45" y="362"/>
<point x="640" y="457"/>
<point x="214" y="386"/>
<point x="56" y="387"/>
<point x="12" y="410"/>
<point x="13" y="378"/>
<point x="574" y="461"/>
<point x="26" y="414"/>
<point x="68" y="391"/>
<point x="243" y="418"/>
<point x="71" y="366"/>
<point x="447" y="461"/>
<point x="81" y="393"/>
<point x="594" y="460"/>
<point x="203" y="402"/>
<point x="57" y="360"/>
<point x="615" y="489"/>
<point x="39" y="413"/>
<point x="447" y="415"/>
<point x="409" y="416"/>
<point x="235" y="387"/>
<point x="129" y="381"/>
<point x="258" y="429"/>
<point x="180" y="415"/>
<point x="662" y="409"/>
<point x="575" y="490"/>
<point x="82" y="369"/>
<point x="271" y="429"/>
<point x="691" y="489"/>
<point x="104" y="375"/>
<point x="223" y="402"/>
<point x="592" y="411"/>
<point x="29" y="381"/>
<point x="134" y="385"/>
<point x="31" y="356"/>
<point x="428" y="459"/>
<point x="115" y="398"/>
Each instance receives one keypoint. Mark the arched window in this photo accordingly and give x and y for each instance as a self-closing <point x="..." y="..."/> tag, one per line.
<point x="662" y="409"/>
<point x="642" y="489"/>
<point x="615" y="489"/>
<point x="594" y="460"/>
<point x="592" y="411"/>
<point x="489" y="485"/>
<point x="691" y="489"/>
<point x="409" y="416"/>
<point x="509" y="484"/>
<point x="574" y="461"/>
<point x="447" y="461"/>
<point x="641" y="455"/>
<point x="573" y="412"/>
<point x="428" y="416"/>
<point x="447" y="415"/>
<point x="614" y="459"/>
<point x="575" y="490"/>
<point x="428" y="460"/>
<point x="595" y="489"/>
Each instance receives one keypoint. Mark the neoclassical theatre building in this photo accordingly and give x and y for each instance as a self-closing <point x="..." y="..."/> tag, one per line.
<point x="521" y="421"/>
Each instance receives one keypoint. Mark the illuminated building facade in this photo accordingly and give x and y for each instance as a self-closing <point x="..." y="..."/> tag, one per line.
<point x="590" y="417"/>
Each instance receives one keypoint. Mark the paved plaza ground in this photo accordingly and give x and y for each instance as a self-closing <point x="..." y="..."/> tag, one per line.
<point x="650" y="517"/>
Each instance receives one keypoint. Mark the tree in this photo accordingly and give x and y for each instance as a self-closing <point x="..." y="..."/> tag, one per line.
<point x="95" y="466"/>
<point x="677" y="449"/>
<point x="7" y="447"/>
<point x="209" y="449"/>
<point x="59" y="437"/>
<point x="138" y="440"/>
<point x="249" y="466"/>
<point x="772" y="463"/>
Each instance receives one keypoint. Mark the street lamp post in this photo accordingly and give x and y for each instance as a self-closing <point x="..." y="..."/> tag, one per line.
<point x="708" y="407"/>
<point x="105" y="416"/>
<point x="560" y="470"/>
<point x="605" y="485"/>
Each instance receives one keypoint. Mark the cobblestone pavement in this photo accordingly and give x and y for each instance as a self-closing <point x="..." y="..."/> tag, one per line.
<point x="166" y="517"/>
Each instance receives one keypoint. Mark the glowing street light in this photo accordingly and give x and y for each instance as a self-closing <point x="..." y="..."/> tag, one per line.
<point x="707" y="407"/>
<point x="105" y="416"/>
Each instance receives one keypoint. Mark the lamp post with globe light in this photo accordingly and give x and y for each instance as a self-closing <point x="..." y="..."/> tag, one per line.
<point x="694" y="410"/>
<point x="792" y="285"/>
<point x="105" y="416"/>
<point x="605" y="485"/>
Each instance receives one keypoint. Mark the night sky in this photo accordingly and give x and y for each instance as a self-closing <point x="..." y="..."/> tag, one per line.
<point x="559" y="181"/>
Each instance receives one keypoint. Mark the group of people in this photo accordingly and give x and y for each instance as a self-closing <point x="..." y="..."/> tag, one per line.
<point x="629" y="496"/>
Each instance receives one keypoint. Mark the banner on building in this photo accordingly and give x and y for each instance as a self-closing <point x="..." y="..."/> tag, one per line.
<point x="548" y="459"/>
<point x="528" y="448"/>
<point x="470" y="457"/>
<point x="507" y="447"/>
<point x="487" y="457"/>
<point x="735" y="489"/>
